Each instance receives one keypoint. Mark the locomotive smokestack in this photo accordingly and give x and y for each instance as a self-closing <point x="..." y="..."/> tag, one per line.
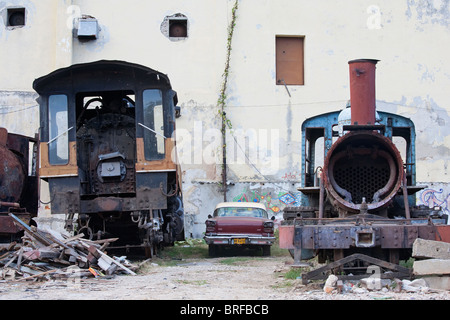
<point x="362" y="91"/>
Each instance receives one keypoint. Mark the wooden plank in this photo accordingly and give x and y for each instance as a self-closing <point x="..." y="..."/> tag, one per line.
<point x="39" y="274"/>
<point x="109" y="259"/>
<point x="78" y="236"/>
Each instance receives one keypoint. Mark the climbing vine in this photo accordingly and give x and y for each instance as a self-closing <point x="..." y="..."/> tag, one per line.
<point x="221" y="102"/>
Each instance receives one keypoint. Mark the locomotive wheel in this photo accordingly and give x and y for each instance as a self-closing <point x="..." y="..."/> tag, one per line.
<point x="88" y="233"/>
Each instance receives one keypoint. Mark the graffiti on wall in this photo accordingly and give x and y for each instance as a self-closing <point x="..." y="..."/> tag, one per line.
<point x="432" y="198"/>
<point x="274" y="201"/>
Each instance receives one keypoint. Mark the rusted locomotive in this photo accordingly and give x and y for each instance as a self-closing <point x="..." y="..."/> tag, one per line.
<point x="361" y="203"/>
<point x="107" y="152"/>
<point x="18" y="183"/>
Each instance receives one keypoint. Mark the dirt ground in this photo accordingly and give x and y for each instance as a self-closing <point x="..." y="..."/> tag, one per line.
<point x="256" y="278"/>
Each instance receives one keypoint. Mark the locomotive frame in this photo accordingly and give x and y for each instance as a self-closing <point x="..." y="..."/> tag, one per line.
<point x="107" y="152"/>
<point x="360" y="207"/>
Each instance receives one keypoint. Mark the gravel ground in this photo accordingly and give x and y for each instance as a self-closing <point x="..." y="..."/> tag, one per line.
<point x="260" y="278"/>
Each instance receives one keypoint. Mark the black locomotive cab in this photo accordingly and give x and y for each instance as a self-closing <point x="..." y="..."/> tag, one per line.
<point x="107" y="152"/>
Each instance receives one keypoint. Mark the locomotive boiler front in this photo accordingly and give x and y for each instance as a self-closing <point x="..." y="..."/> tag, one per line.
<point x="363" y="170"/>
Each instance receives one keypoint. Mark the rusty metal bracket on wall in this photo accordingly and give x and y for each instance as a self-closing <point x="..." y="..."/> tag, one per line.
<point x="285" y="85"/>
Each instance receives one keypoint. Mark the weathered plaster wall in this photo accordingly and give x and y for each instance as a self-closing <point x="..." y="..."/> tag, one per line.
<point x="411" y="38"/>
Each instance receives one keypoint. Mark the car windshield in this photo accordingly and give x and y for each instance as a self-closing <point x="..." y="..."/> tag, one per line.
<point x="240" y="212"/>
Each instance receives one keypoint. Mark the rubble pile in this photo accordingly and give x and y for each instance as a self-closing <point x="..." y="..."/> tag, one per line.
<point x="374" y="284"/>
<point x="431" y="272"/>
<point x="47" y="254"/>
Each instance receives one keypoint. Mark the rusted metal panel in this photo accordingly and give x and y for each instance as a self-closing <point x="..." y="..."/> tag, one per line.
<point x="345" y="236"/>
<point x="323" y="237"/>
<point x="17" y="188"/>
<point x="286" y="237"/>
<point x="3" y="137"/>
<point x="64" y="195"/>
<point x="108" y="204"/>
<point x="12" y="176"/>
<point x="7" y="224"/>
<point x="151" y="192"/>
<point x="443" y="233"/>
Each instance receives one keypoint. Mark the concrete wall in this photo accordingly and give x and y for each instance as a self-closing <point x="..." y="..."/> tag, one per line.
<point x="411" y="38"/>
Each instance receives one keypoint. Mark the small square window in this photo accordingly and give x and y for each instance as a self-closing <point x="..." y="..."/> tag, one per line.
<point x="15" y="17"/>
<point x="178" y="28"/>
<point x="289" y="60"/>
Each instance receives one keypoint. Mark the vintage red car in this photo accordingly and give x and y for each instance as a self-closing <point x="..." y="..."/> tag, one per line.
<point x="239" y="224"/>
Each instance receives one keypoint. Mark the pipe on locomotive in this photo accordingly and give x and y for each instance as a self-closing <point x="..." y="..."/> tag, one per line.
<point x="363" y="168"/>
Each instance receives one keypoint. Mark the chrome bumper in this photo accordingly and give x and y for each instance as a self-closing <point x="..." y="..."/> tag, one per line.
<point x="239" y="240"/>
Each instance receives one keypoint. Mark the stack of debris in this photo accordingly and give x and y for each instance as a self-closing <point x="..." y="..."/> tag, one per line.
<point x="46" y="253"/>
<point x="432" y="263"/>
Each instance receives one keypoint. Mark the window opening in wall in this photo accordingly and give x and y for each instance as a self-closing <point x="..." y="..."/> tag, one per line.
<point x="290" y="60"/>
<point x="15" y="17"/>
<point x="175" y="27"/>
<point x="178" y="28"/>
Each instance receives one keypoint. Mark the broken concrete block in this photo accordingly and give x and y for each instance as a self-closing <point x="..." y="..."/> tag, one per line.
<point x="415" y="285"/>
<point x="330" y="284"/>
<point x="431" y="267"/>
<point x="438" y="282"/>
<point x="431" y="249"/>
<point x="371" y="283"/>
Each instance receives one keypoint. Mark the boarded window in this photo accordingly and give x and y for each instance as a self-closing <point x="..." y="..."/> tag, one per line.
<point x="289" y="60"/>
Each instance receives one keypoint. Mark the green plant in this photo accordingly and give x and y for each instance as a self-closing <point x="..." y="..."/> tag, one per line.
<point x="293" y="273"/>
<point x="407" y="263"/>
<point x="236" y="260"/>
<point x="188" y="249"/>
